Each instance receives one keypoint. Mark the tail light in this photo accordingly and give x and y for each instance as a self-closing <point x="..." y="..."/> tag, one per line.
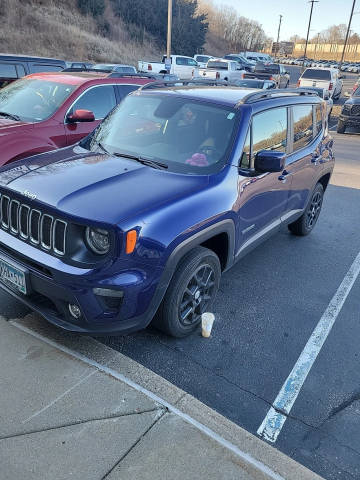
<point x="298" y="83"/>
<point x="217" y="75"/>
<point x="331" y="86"/>
<point x="242" y="76"/>
<point x="271" y="78"/>
<point x="149" y="66"/>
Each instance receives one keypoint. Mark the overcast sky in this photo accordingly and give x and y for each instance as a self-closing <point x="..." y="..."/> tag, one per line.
<point x="296" y="15"/>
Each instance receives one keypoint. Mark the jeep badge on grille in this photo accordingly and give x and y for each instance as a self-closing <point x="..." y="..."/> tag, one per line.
<point x="30" y="195"/>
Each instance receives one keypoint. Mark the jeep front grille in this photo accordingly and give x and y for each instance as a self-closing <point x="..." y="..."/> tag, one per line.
<point x="355" y="110"/>
<point x="32" y="225"/>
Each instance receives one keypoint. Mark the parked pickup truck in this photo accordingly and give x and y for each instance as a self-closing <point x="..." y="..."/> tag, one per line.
<point x="222" y="69"/>
<point x="327" y="78"/>
<point x="137" y="223"/>
<point x="185" y="68"/>
<point x="274" y="72"/>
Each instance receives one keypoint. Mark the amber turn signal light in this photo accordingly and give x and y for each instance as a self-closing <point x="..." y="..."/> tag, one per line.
<point x="131" y="238"/>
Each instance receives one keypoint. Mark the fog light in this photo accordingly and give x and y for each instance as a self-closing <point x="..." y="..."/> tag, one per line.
<point x="74" y="311"/>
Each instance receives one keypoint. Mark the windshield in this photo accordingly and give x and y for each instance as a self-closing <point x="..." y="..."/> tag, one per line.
<point x="317" y="74"/>
<point x="202" y="58"/>
<point x="185" y="135"/>
<point x="32" y="99"/>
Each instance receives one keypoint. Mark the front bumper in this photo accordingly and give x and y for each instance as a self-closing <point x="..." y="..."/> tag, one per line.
<point x="350" y="120"/>
<point x="52" y="290"/>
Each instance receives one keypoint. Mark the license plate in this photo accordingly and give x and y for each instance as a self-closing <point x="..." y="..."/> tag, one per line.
<point x="13" y="276"/>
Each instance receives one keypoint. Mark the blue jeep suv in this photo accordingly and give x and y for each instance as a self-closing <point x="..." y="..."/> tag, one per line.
<point x="137" y="222"/>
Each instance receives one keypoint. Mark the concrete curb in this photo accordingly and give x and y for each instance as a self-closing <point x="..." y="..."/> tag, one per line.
<point x="261" y="460"/>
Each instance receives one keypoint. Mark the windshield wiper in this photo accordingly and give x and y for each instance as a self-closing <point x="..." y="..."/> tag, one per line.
<point x="102" y="147"/>
<point x="11" y="116"/>
<point x="145" y="161"/>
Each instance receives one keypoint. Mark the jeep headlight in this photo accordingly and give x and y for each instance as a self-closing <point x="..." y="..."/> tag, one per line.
<point x="97" y="240"/>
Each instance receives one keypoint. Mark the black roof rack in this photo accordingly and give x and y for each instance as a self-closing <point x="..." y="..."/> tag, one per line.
<point x="111" y="73"/>
<point x="184" y="83"/>
<point x="84" y="69"/>
<point x="264" y="94"/>
<point x="136" y="75"/>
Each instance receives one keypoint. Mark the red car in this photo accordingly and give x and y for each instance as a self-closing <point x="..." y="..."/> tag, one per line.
<point x="46" y="111"/>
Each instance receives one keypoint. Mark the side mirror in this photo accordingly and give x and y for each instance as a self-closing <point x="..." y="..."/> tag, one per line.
<point x="81" y="116"/>
<point x="269" y="161"/>
<point x="326" y="96"/>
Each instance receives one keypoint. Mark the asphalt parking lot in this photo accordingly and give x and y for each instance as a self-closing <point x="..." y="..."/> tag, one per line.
<point x="266" y="311"/>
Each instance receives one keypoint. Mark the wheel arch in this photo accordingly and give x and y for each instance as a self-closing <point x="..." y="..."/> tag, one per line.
<point x="324" y="180"/>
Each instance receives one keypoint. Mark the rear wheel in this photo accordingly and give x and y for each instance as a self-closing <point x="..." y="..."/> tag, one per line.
<point x="341" y="126"/>
<point x="190" y="293"/>
<point x="305" y="224"/>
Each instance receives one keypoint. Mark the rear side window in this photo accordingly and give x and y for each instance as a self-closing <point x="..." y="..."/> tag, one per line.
<point x="269" y="130"/>
<point x="317" y="74"/>
<point x="303" y="125"/>
<point x="42" y="67"/>
<point x="7" y="70"/>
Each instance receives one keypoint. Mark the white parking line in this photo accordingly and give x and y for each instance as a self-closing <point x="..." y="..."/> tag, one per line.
<point x="276" y="417"/>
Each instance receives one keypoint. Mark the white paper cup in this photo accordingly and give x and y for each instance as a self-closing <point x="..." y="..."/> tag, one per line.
<point x="207" y="321"/>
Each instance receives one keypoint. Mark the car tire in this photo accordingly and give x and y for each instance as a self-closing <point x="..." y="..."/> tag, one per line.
<point x="191" y="292"/>
<point x="305" y="224"/>
<point x="341" y="127"/>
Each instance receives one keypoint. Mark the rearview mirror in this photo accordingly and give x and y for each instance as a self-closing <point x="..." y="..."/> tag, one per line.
<point x="81" y="116"/>
<point x="269" y="161"/>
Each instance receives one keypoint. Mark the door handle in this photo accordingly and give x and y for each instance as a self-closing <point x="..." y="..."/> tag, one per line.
<point x="283" y="176"/>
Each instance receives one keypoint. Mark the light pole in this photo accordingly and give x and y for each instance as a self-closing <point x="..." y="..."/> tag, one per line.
<point x="278" y="36"/>
<point x="168" y="44"/>
<point x="307" y="36"/>
<point x="347" y="33"/>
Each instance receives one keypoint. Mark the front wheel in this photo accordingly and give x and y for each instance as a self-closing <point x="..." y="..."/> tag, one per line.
<point x="305" y="224"/>
<point x="191" y="292"/>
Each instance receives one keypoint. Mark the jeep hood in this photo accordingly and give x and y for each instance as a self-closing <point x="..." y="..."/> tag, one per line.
<point x="96" y="186"/>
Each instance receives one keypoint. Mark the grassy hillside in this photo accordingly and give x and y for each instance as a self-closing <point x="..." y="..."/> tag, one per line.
<point x="58" y="29"/>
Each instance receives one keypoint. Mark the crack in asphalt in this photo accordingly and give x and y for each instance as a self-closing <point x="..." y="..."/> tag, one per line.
<point x="343" y="405"/>
<point x="268" y="403"/>
<point x="129" y="450"/>
<point x="80" y="422"/>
